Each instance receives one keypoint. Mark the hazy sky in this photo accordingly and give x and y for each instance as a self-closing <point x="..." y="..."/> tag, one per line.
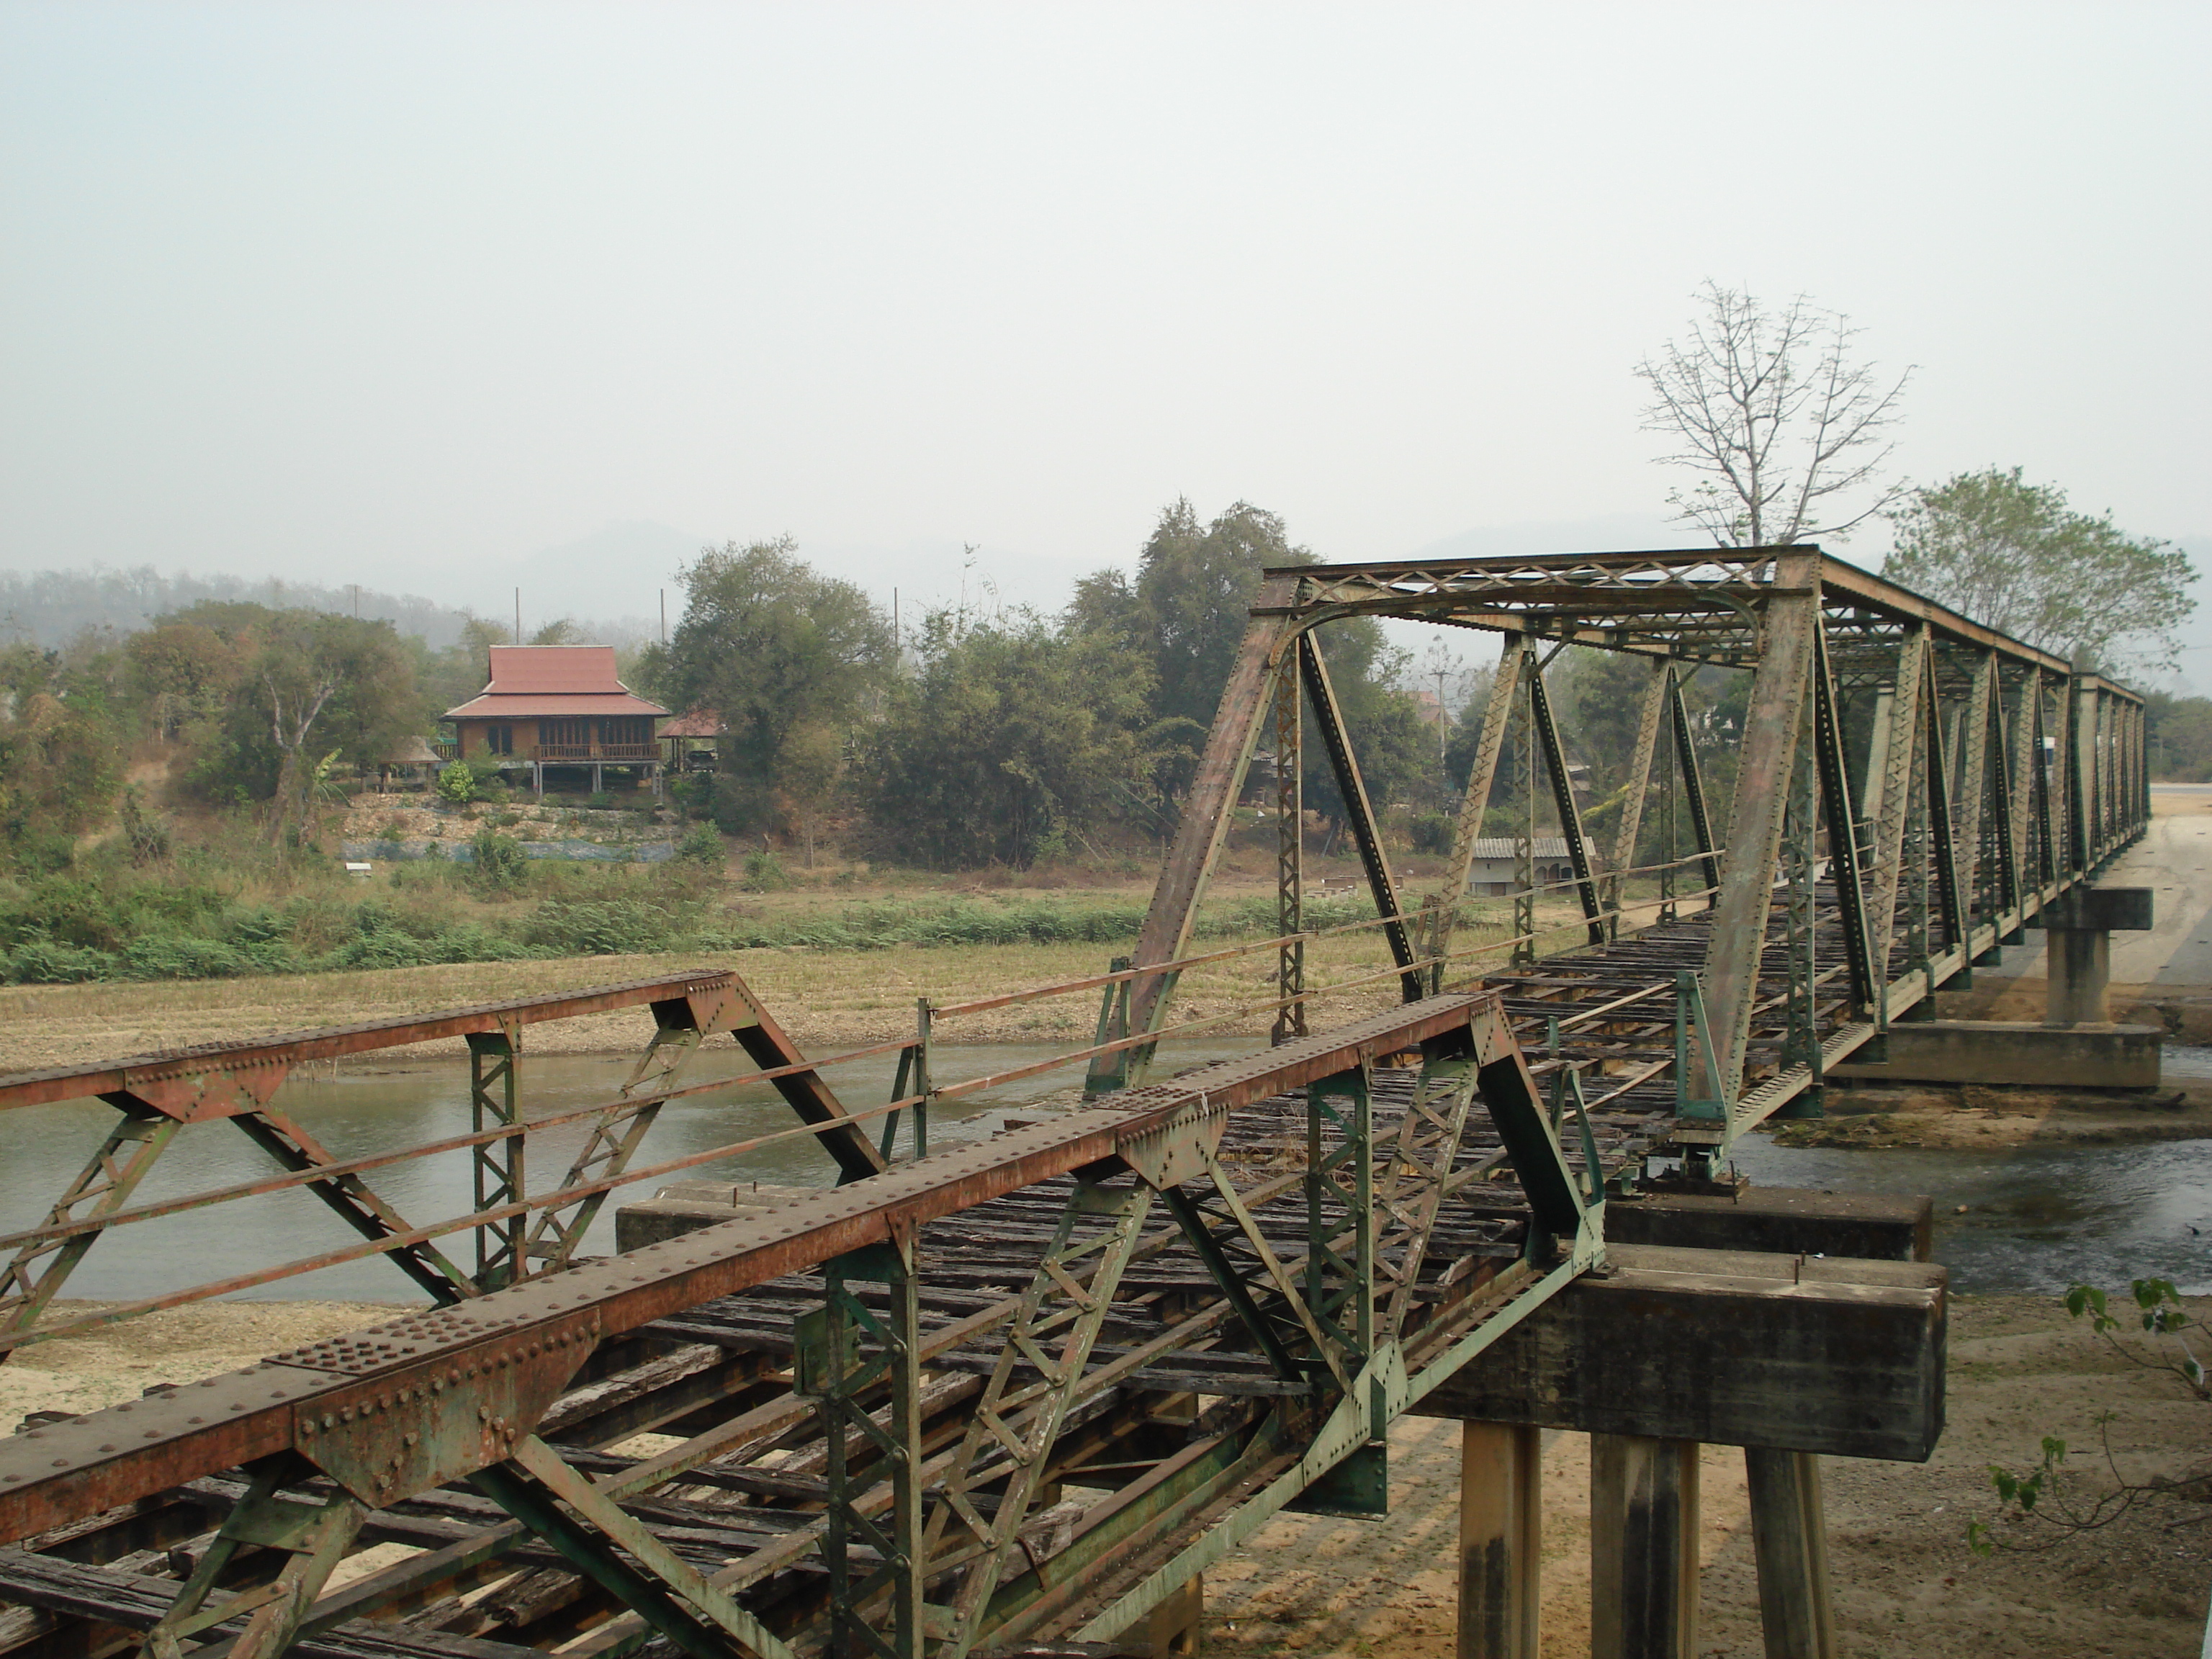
<point x="402" y="293"/>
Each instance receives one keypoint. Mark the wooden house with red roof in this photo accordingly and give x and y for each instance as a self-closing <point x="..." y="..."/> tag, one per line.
<point x="559" y="706"/>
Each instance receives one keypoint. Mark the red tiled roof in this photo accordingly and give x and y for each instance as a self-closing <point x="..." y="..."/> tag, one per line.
<point x="552" y="706"/>
<point x="530" y="680"/>
<point x="699" y="723"/>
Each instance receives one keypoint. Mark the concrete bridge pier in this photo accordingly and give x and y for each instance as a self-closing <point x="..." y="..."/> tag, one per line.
<point x="1790" y="1354"/>
<point x="2078" y="963"/>
<point x="1501" y="1535"/>
<point x="1643" y="1547"/>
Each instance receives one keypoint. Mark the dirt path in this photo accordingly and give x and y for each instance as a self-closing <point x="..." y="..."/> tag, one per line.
<point x="1906" y="1586"/>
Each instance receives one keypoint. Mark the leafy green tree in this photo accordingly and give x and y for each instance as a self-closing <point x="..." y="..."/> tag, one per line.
<point x="1184" y="617"/>
<point x="1009" y="734"/>
<point x="2013" y="554"/>
<point x="772" y="647"/>
<point x="1192" y="596"/>
<point x="2177" y="737"/>
<point x="61" y="751"/>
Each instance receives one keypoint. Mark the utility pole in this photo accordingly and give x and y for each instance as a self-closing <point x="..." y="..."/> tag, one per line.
<point x="1443" y="723"/>
<point x="518" y="616"/>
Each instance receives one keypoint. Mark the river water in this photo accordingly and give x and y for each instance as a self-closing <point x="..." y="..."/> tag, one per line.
<point x="367" y="1109"/>
<point x="2029" y="1218"/>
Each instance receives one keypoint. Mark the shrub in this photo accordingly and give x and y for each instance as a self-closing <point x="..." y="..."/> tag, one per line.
<point x="456" y="783"/>
<point x="764" y="872"/>
<point x="701" y="845"/>
<point x="1432" y="832"/>
<point x="41" y="961"/>
<point x="602" y="927"/>
<point x="500" y="865"/>
<point x="599" y="799"/>
<point x="169" y="958"/>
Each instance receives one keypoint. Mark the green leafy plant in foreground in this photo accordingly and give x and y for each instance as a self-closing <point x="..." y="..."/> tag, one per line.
<point x="2047" y="1491"/>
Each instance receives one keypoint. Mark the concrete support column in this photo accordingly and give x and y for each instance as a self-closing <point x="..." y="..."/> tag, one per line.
<point x="1501" y="1467"/>
<point x="2078" y="968"/>
<point x="1643" y="1547"/>
<point x="2078" y="962"/>
<point x="1790" y="1538"/>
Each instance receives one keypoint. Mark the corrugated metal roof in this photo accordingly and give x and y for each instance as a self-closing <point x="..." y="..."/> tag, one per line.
<point x="1501" y="846"/>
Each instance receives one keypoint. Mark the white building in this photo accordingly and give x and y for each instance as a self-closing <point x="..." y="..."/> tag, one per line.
<point x="1491" y="874"/>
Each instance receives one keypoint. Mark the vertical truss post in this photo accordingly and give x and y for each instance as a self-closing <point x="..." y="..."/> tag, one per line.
<point x="615" y="1133"/>
<point x="1290" y="860"/>
<point x="1011" y="1432"/>
<point x="1669" y="842"/>
<point x="1845" y="866"/>
<point x="1772" y="723"/>
<point x="1411" y="1191"/>
<point x="844" y="1354"/>
<point x="1927" y="765"/>
<point x="1563" y="800"/>
<point x="2081" y="773"/>
<point x="2047" y="828"/>
<point x="1203" y="825"/>
<point x="1524" y="830"/>
<point x="1474" y="803"/>
<point x="1896" y="775"/>
<point x="39" y="1269"/>
<point x="1639" y="785"/>
<point x="1694" y="790"/>
<point x="1949" y="895"/>
<point x="1974" y="788"/>
<point x="1340" y="1187"/>
<point x="497" y="1172"/>
<point x="2009" y="813"/>
<point x="304" y="1540"/>
<point x="1366" y="832"/>
<point x="920" y="1081"/>
<point x="1113" y="1025"/>
<point x="1800" y="1043"/>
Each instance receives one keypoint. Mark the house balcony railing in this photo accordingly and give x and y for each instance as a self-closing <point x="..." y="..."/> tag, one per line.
<point x="596" y="752"/>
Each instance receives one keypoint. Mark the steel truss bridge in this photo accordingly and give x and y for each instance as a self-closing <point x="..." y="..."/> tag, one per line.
<point x="1017" y="1391"/>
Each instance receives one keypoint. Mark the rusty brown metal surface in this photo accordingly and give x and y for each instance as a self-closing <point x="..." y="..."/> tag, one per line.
<point x="168" y="1079"/>
<point x="116" y="1457"/>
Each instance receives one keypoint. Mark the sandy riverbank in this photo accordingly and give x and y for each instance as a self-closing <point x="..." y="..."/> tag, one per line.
<point x="1907" y="1585"/>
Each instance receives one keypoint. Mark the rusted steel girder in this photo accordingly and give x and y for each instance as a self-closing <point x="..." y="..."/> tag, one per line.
<point x="514" y="1349"/>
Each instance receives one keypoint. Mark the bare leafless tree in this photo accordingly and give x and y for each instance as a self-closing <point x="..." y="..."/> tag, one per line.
<point x="1785" y="430"/>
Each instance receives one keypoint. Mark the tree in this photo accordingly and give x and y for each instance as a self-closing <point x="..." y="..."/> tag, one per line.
<point x="1782" y="428"/>
<point x="771" y="646"/>
<point x="1193" y="596"/>
<point x="1010" y="738"/>
<point x="2013" y="555"/>
<point x="343" y="675"/>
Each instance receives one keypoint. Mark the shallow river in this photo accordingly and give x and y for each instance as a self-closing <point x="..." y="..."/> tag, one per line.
<point x="2033" y="1218"/>
<point x="364" y="1111"/>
